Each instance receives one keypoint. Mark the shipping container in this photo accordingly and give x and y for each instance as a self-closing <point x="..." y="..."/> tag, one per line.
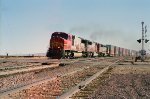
<point x="110" y="50"/>
<point x="120" y="51"/>
<point x="116" y="51"/>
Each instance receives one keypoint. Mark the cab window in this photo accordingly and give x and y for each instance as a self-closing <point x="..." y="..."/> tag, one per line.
<point x="63" y="35"/>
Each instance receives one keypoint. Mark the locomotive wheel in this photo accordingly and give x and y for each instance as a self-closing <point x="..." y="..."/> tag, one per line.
<point x="72" y="55"/>
<point x="92" y="54"/>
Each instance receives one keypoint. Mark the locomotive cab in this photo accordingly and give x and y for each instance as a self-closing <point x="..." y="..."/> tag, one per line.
<point x="59" y="42"/>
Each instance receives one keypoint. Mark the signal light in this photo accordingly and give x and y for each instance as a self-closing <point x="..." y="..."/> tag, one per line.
<point x="146" y="40"/>
<point x="139" y="40"/>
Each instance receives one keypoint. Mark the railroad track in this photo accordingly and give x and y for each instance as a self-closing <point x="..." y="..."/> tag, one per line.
<point x="30" y="63"/>
<point x="46" y="79"/>
<point x="74" y="92"/>
<point x="25" y="68"/>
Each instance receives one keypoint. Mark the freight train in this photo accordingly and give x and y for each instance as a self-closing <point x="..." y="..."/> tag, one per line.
<point x="65" y="45"/>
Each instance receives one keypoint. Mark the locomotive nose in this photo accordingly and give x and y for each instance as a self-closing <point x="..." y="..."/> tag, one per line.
<point x="56" y="48"/>
<point x="57" y="43"/>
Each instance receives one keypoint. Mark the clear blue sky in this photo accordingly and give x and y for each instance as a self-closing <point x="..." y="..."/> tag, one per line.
<point x="26" y="25"/>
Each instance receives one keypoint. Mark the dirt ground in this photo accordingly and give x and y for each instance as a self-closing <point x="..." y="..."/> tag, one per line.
<point x="125" y="82"/>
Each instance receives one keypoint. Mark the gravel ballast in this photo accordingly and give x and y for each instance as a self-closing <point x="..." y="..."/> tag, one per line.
<point x="125" y="82"/>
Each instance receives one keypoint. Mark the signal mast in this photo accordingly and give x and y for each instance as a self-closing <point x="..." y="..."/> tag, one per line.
<point x="142" y="51"/>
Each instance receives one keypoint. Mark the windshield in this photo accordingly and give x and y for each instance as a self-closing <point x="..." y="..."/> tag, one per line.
<point x="63" y="35"/>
